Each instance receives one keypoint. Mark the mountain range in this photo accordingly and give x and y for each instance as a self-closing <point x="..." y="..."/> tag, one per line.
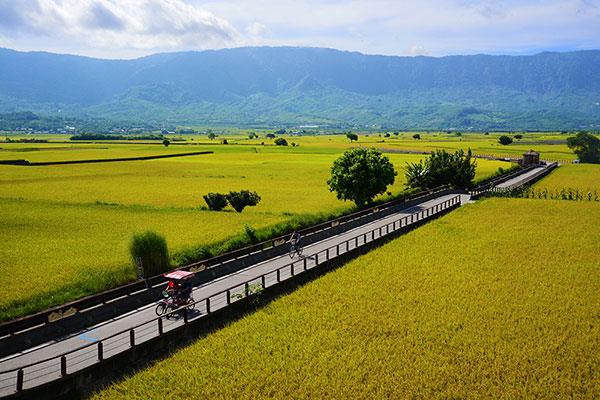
<point x="290" y="86"/>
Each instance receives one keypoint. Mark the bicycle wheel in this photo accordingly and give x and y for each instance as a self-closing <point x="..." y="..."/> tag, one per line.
<point x="160" y="309"/>
<point x="192" y="305"/>
<point x="299" y="251"/>
<point x="169" y="308"/>
<point x="292" y="251"/>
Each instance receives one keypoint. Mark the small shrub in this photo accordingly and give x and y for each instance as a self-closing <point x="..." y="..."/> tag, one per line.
<point x="215" y="201"/>
<point x="166" y="142"/>
<point x="270" y="136"/>
<point x="242" y="199"/>
<point x="151" y="248"/>
<point x="353" y="137"/>
<point x="281" y="142"/>
<point x="416" y="136"/>
<point x="505" y="140"/>
<point x="224" y="141"/>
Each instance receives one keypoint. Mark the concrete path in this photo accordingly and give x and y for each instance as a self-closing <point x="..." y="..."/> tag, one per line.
<point x="521" y="179"/>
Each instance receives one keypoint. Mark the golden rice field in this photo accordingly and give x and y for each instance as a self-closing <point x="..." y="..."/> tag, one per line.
<point x="584" y="177"/>
<point x="66" y="228"/>
<point x="498" y="299"/>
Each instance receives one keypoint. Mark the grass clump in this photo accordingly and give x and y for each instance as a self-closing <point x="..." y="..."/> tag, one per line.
<point x="151" y="251"/>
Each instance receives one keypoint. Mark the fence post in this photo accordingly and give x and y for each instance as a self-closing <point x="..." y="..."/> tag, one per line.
<point x="228" y="297"/>
<point x="337" y="250"/>
<point x="19" y="380"/>
<point x="208" y="304"/>
<point x="63" y="366"/>
<point x="185" y="315"/>
<point x="278" y="275"/>
<point x="304" y="264"/>
<point x="263" y="280"/>
<point x="292" y="269"/>
<point x="100" y="351"/>
<point x="246" y="289"/>
<point x="131" y="337"/>
<point x="160" y="326"/>
<point x="316" y="259"/>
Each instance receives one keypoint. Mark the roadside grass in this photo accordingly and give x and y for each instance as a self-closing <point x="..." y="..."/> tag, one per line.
<point x="498" y="299"/>
<point x="584" y="177"/>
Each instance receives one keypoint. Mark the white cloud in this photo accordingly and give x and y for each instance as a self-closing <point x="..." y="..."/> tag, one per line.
<point x="126" y="28"/>
<point x="117" y="27"/>
<point x="417" y="51"/>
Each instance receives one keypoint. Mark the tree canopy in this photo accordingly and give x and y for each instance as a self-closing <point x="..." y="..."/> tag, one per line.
<point x="586" y="146"/>
<point x="361" y="174"/>
<point x="442" y="168"/>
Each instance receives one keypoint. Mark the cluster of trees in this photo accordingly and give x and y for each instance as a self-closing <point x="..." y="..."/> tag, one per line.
<point x="362" y="174"/>
<point x="442" y="168"/>
<point x="237" y="200"/>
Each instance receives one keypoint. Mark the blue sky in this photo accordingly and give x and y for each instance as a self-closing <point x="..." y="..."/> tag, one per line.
<point x="133" y="28"/>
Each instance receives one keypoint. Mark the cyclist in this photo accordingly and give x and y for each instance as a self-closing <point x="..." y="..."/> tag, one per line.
<point x="295" y="244"/>
<point x="295" y="239"/>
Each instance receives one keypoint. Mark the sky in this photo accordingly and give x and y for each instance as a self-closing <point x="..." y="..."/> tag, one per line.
<point x="134" y="28"/>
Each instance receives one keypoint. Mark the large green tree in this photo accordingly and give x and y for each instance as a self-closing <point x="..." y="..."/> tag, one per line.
<point x="586" y="146"/>
<point x="361" y="174"/>
<point x="442" y="168"/>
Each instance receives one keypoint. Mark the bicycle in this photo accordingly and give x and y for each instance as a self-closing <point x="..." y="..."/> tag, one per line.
<point x="168" y="304"/>
<point x="295" y="248"/>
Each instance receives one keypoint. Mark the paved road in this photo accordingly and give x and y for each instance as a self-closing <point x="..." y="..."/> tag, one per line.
<point x="50" y="370"/>
<point x="521" y="179"/>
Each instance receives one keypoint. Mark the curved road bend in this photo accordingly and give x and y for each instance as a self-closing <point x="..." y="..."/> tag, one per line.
<point x="50" y="370"/>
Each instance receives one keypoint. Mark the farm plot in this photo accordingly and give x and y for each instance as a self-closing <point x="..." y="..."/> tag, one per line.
<point x="498" y="299"/>
<point x="583" y="177"/>
<point x="66" y="228"/>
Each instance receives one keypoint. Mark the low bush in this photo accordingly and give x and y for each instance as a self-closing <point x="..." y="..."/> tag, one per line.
<point x="281" y="142"/>
<point x="215" y="201"/>
<point x="242" y="199"/>
<point x="150" y="249"/>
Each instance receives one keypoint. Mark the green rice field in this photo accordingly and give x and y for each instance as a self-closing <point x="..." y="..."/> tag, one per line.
<point x="498" y="299"/>
<point x="66" y="228"/>
<point x="584" y="177"/>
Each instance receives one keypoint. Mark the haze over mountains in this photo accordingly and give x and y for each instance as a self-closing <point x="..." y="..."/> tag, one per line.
<point x="279" y="86"/>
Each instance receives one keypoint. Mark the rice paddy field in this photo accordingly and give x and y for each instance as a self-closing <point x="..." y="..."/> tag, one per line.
<point x="65" y="229"/>
<point x="584" y="177"/>
<point x="498" y="299"/>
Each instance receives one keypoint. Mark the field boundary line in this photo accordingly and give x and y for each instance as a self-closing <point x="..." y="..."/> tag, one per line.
<point x="25" y="163"/>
